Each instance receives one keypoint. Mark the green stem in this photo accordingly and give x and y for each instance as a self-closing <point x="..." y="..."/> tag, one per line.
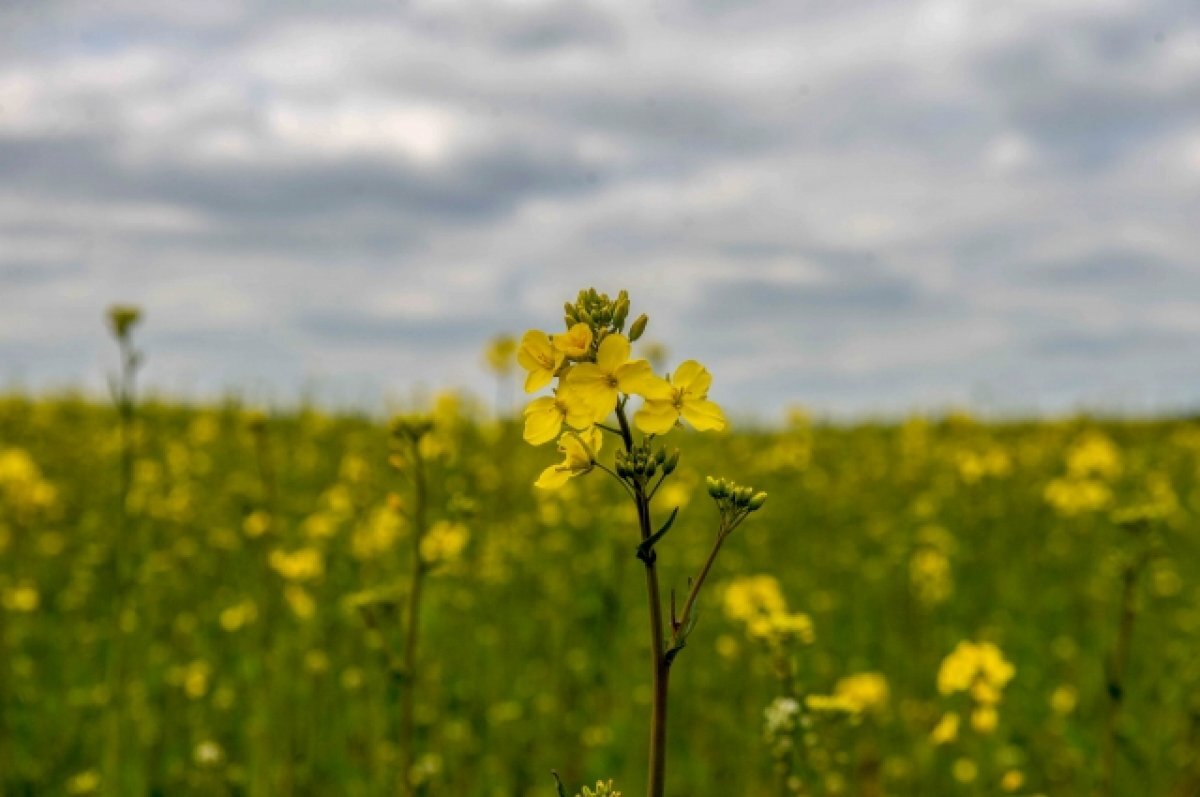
<point x="1118" y="665"/>
<point x="405" y="787"/>
<point x="660" y="669"/>
<point x="122" y="565"/>
<point x="681" y="624"/>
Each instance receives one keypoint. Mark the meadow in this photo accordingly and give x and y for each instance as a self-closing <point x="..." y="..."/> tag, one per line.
<point x="233" y="620"/>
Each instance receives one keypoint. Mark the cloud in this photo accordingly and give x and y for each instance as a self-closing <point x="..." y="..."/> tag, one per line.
<point x="864" y="206"/>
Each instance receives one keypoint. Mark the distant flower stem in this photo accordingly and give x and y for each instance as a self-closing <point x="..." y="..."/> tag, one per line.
<point x="1118" y="665"/>
<point x="123" y="572"/>
<point x="408" y="674"/>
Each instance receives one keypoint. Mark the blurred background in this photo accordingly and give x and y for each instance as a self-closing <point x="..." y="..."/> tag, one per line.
<point x="865" y="206"/>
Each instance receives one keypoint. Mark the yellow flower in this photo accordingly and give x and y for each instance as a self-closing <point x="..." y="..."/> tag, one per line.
<point x="984" y="719"/>
<point x="1012" y="780"/>
<point x="499" y="354"/>
<point x="685" y="395"/>
<point x="538" y="356"/>
<point x="544" y="416"/>
<point x="579" y="454"/>
<point x="612" y="373"/>
<point x="946" y="730"/>
<point x="444" y="541"/>
<point x="575" y="342"/>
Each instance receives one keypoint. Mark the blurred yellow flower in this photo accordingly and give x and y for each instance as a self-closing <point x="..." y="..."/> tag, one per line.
<point x="748" y="597"/>
<point x="1012" y="780"/>
<point x="22" y="598"/>
<point x="854" y="694"/>
<point x="978" y="667"/>
<point x="984" y="719"/>
<point x="946" y="730"/>
<point x="444" y="541"/>
<point x="538" y="356"/>
<point x="499" y="354"/>
<point x="305" y="564"/>
<point x="686" y="396"/>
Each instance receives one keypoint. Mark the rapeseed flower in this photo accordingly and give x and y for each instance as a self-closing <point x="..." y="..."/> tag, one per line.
<point x="612" y="373"/>
<point x="575" y="343"/>
<point x="545" y="416"/>
<point x="684" y="396"/>
<point x="538" y="356"/>
<point x="579" y="456"/>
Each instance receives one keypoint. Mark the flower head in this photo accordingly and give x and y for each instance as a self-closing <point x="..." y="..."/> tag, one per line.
<point x="545" y="416"/>
<point x="579" y="456"/>
<point x="575" y="342"/>
<point x="612" y="373"/>
<point x="684" y="396"/>
<point x="538" y="356"/>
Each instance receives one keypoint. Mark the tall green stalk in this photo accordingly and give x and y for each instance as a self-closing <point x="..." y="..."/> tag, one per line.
<point x="412" y="627"/>
<point x="125" y="554"/>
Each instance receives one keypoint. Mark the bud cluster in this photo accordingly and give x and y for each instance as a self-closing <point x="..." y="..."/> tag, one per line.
<point x="732" y="498"/>
<point x="122" y="318"/>
<point x="603" y="315"/>
<point x="643" y="462"/>
<point x="411" y="427"/>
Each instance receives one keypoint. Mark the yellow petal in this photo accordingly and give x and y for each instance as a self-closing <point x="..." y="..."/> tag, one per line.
<point x="703" y="415"/>
<point x="693" y="377"/>
<point x="537" y="380"/>
<point x="635" y="377"/>
<point x="613" y="352"/>
<point x="656" y="417"/>
<point x="594" y="439"/>
<point x="539" y="405"/>
<point x="579" y="409"/>
<point x="535" y="350"/>
<point x="552" y="478"/>
<point x="586" y="376"/>
<point x="653" y="388"/>
<point x="603" y="401"/>
<point x="542" y="424"/>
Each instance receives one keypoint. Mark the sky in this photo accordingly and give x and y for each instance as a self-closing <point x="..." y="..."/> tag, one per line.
<point x="859" y="206"/>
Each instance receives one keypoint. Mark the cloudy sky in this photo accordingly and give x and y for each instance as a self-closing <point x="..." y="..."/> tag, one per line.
<point x="859" y="205"/>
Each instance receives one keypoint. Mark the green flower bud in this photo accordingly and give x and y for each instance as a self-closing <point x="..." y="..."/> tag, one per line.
<point x="757" y="501"/>
<point x="713" y="486"/>
<point x="621" y="311"/>
<point x="670" y="463"/>
<point x="122" y="318"/>
<point x="638" y="327"/>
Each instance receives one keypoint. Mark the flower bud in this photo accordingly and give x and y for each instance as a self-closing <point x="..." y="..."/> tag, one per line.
<point x="122" y="318"/>
<point x="660" y="455"/>
<point x="714" y="487"/>
<point x="757" y="501"/>
<point x="670" y="463"/>
<point x="620" y="311"/>
<point x="638" y="327"/>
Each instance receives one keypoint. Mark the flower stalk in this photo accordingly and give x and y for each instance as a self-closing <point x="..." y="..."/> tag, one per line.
<point x="594" y="377"/>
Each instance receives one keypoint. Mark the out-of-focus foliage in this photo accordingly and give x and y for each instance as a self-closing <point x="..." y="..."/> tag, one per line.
<point x="922" y="608"/>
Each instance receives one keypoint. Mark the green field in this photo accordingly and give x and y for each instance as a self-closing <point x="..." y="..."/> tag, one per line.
<point x="227" y="619"/>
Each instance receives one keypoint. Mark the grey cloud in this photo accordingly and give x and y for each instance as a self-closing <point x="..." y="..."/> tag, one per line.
<point x="863" y="205"/>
